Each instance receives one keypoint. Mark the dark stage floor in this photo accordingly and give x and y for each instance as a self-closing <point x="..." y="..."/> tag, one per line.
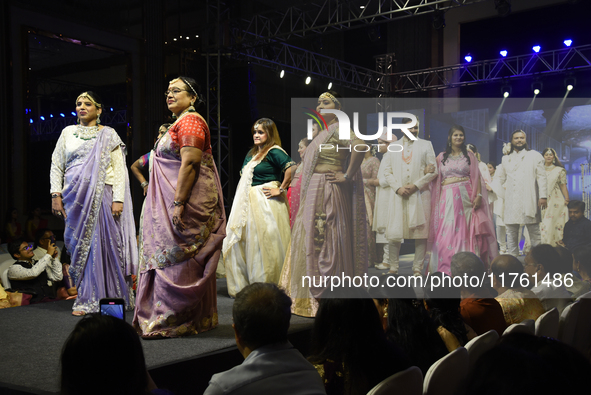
<point x="31" y="338"/>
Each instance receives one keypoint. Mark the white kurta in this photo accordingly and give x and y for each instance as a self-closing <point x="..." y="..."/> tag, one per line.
<point x="524" y="179"/>
<point x="383" y="203"/>
<point x="408" y="218"/>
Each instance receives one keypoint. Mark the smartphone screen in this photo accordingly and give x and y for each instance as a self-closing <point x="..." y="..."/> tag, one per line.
<point x="113" y="307"/>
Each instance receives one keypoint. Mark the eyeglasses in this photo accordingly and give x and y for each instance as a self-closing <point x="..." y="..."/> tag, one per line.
<point x="174" y="92"/>
<point x="26" y="248"/>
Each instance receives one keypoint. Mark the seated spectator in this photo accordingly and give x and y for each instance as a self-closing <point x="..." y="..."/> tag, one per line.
<point x="271" y="364"/>
<point x="541" y="264"/>
<point x="442" y="301"/>
<point x="478" y="308"/>
<point x="349" y="347"/>
<point x="44" y="237"/>
<point x="576" y="287"/>
<point x="12" y="228"/>
<point x="582" y="262"/>
<point x="518" y="303"/>
<point x="411" y="328"/>
<point x="577" y="230"/>
<point x="526" y="364"/>
<point x="37" y="278"/>
<point x="13" y="299"/>
<point x="103" y="355"/>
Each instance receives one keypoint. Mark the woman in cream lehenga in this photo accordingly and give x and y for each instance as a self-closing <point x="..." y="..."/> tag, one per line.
<point x="258" y="230"/>
<point x="556" y="214"/>
<point x="329" y="235"/>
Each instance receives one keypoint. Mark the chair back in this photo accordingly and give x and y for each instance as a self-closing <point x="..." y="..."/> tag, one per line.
<point x="582" y="335"/>
<point x="4" y="265"/>
<point x="407" y="382"/>
<point x="518" y="328"/>
<point x="547" y="324"/>
<point x="481" y="344"/>
<point x="448" y="375"/>
<point x="568" y="323"/>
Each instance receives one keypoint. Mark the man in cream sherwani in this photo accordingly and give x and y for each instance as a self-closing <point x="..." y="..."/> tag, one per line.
<point x="523" y="174"/>
<point x="410" y="205"/>
<point x="383" y="198"/>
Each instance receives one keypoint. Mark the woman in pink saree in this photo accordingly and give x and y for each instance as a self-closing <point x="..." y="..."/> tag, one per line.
<point x="184" y="226"/>
<point x="329" y="234"/>
<point x="459" y="207"/>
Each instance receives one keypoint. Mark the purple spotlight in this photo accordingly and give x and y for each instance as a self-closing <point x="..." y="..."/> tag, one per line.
<point x="468" y="58"/>
<point x="504" y="53"/>
<point x="537" y="48"/>
<point x="568" y="42"/>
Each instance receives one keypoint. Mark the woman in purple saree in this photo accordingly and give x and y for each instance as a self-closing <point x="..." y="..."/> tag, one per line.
<point x="184" y="226"/>
<point x="329" y="234"/>
<point x="90" y="191"/>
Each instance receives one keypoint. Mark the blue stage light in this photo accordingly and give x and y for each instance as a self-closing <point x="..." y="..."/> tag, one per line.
<point x="111" y="108"/>
<point x="30" y="120"/>
<point x="568" y="42"/>
<point x="468" y="58"/>
<point x="504" y="53"/>
<point x="42" y="118"/>
<point x="62" y="115"/>
<point x="50" y="115"/>
<point x="73" y="114"/>
<point x="537" y="48"/>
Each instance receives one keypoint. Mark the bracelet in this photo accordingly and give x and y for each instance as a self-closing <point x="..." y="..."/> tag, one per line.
<point x="179" y="203"/>
<point x="346" y="176"/>
<point x="56" y="195"/>
<point x="145" y="184"/>
<point x="479" y="195"/>
<point x="281" y="190"/>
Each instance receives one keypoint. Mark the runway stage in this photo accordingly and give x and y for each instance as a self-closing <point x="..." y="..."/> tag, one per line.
<point x="31" y="339"/>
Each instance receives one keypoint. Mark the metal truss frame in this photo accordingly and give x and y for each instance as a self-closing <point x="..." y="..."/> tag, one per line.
<point x="298" y="60"/>
<point x="322" y="16"/>
<point x="218" y="126"/>
<point x="537" y="64"/>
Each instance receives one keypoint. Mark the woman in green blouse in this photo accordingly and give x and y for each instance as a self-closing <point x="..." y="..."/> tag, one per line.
<point x="258" y="231"/>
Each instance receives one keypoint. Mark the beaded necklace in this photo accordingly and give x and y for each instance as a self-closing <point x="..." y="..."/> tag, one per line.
<point x="86" y="132"/>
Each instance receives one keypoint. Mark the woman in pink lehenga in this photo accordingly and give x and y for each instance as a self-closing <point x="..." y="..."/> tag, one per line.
<point x="460" y="218"/>
<point x="293" y="194"/>
<point x="184" y="226"/>
<point x="329" y="235"/>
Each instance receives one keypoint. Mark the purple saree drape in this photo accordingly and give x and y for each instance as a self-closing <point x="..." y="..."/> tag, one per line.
<point x="329" y="235"/>
<point x="176" y="293"/>
<point x="103" y="249"/>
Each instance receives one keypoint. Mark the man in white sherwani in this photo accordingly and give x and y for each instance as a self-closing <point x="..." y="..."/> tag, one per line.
<point x="383" y="198"/>
<point x="410" y="206"/>
<point x="524" y="177"/>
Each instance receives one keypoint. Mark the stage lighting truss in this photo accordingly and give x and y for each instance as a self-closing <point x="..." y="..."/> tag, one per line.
<point x="483" y="71"/>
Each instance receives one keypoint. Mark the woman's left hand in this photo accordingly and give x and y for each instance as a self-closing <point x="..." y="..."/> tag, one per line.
<point x="477" y="202"/>
<point x="116" y="209"/>
<point x="336" y="177"/>
<point x="177" y="217"/>
<point x="271" y="192"/>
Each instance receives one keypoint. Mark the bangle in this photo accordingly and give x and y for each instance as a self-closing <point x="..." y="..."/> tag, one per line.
<point x="346" y="176"/>
<point x="145" y="184"/>
<point x="281" y="190"/>
<point x="479" y="195"/>
<point x="179" y="203"/>
<point x="56" y="195"/>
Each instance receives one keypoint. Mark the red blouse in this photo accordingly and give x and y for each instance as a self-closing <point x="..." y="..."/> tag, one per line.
<point x="191" y="131"/>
